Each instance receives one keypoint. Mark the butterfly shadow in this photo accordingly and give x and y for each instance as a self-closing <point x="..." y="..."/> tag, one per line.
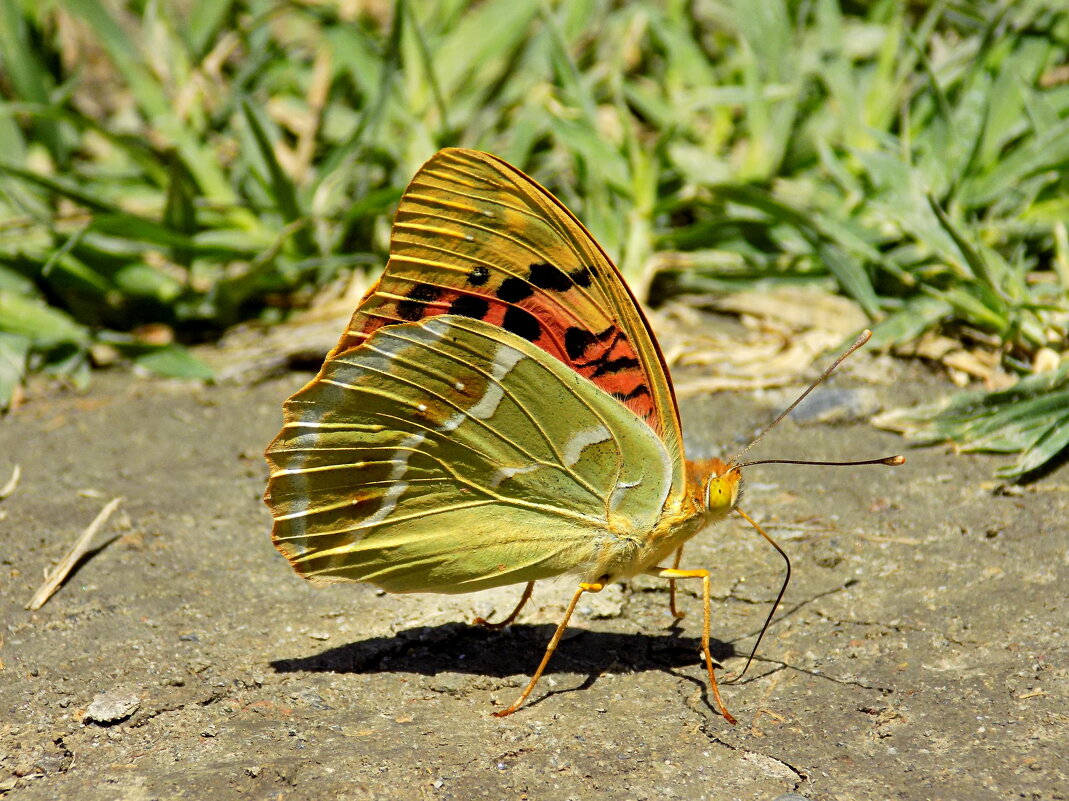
<point x="462" y="648"/>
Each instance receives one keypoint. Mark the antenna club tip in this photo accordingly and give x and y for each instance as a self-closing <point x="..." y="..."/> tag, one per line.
<point x="895" y="460"/>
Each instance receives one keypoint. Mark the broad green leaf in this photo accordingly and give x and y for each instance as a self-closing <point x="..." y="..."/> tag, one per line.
<point x="174" y="361"/>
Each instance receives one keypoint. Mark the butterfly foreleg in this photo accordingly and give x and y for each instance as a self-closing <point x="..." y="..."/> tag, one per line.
<point x="675" y="611"/>
<point x="584" y="587"/>
<point x="672" y="573"/>
<point x="486" y="624"/>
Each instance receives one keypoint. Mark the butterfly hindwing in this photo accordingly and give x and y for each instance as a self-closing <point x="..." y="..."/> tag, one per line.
<point x="475" y="237"/>
<point x="408" y="458"/>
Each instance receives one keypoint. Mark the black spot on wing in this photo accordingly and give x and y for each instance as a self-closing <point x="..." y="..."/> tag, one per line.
<point x="470" y="306"/>
<point x="478" y="276"/>
<point x="614" y="365"/>
<point x="547" y="276"/>
<point x="581" y="276"/>
<point x="576" y="341"/>
<point x="521" y="323"/>
<point x="513" y="290"/>
<point x="637" y="392"/>
<point x="411" y="308"/>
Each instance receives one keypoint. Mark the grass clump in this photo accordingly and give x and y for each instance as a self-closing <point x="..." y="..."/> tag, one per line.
<point x="170" y="169"/>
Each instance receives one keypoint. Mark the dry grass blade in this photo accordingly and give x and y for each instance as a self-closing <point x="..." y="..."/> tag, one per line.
<point x="77" y="551"/>
<point x="12" y="483"/>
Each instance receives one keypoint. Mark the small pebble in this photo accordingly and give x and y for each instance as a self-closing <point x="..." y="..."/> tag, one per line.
<point x="111" y="707"/>
<point x="834" y="405"/>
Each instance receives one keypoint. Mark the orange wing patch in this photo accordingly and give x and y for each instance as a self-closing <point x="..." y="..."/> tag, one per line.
<point x="470" y="239"/>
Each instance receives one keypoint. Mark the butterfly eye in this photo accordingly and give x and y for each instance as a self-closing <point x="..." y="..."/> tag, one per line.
<point x="722" y="492"/>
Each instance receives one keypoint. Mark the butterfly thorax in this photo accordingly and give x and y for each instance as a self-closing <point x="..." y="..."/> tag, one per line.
<point x="712" y="489"/>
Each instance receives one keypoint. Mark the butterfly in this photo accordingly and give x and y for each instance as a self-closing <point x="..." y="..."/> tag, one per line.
<point x="497" y="412"/>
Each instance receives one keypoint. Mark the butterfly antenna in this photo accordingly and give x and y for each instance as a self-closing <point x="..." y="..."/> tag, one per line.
<point x="862" y="338"/>
<point x="782" y="590"/>
<point x="890" y="461"/>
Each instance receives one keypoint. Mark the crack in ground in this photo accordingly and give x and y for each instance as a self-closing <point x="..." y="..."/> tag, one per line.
<point x="140" y="720"/>
<point x="841" y="622"/>
<point x="801" y="777"/>
<point x="800" y="605"/>
<point x="899" y="628"/>
<point x="749" y="754"/>
<point x="820" y="675"/>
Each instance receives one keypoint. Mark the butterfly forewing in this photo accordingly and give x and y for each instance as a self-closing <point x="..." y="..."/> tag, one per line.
<point x="475" y="237"/>
<point x="407" y="458"/>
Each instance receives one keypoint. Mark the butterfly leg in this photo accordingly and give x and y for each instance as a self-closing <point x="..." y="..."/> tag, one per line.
<point x="676" y="573"/>
<point x="486" y="624"/>
<point x="584" y="587"/>
<point x="676" y="612"/>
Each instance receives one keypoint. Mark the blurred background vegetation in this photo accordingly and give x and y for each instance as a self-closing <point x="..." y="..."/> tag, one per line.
<point x="169" y="169"/>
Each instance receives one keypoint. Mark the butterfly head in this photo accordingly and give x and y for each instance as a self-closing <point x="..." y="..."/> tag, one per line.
<point x="719" y="485"/>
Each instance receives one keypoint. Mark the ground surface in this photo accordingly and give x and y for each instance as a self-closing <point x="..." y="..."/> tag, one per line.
<point x="921" y="652"/>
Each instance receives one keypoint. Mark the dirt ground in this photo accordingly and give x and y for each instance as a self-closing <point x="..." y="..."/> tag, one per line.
<point x="921" y="652"/>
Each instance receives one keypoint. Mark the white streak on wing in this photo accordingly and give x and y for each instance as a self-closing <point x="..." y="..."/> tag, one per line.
<point x="573" y="448"/>
<point x="505" y="360"/>
<point x="310" y="420"/>
<point x="311" y="417"/>
<point x="398" y="487"/>
<point x="452" y="422"/>
<point x="503" y="473"/>
<point x="619" y="492"/>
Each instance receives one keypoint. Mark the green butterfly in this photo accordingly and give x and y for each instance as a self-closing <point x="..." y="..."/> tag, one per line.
<point x="497" y="412"/>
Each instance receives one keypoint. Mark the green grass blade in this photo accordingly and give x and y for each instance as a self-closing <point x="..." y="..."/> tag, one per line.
<point x="14" y="353"/>
<point x="37" y="322"/>
<point x="1052" y="443"/>
<point x="283" y="191"/>
<point x="153" y="101"/>
<point x="29" y="77"/>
